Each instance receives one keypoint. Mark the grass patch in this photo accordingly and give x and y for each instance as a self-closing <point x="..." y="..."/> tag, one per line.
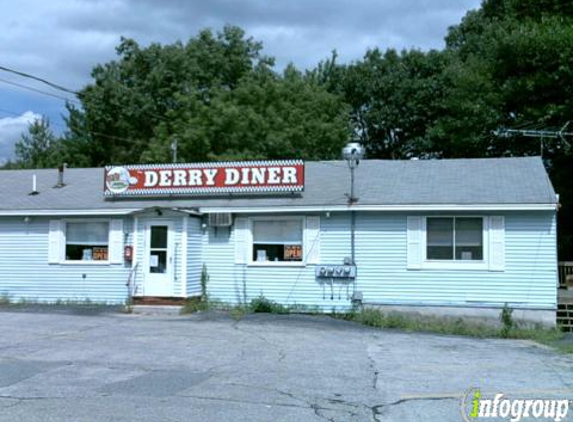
<point x="200" y="304"/>
<point x="508" y="327"/>
<point x="259" y="304"/>
<point x="5" y="299"/>
<point x="552" y="337"/>
<point x="195" y="304"/>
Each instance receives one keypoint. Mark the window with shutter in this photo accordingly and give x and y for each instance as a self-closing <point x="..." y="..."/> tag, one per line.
<point x="456" y="242"/>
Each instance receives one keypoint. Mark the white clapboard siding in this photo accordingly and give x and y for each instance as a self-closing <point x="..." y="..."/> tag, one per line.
<point x="528" y="279"/>
<point x="26" y="271"/>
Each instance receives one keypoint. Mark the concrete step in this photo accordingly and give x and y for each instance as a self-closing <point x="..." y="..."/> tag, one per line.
<point x="167" y="310"/>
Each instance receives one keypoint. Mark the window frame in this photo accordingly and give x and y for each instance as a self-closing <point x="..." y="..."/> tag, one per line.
<point x="453" y="264"/>
<point x="253" y="263"/>
<point x="64" y="241"/>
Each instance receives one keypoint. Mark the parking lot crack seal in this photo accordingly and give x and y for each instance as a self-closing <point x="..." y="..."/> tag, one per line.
<point x="375" y="372"/>
<point x="262" y="403"/>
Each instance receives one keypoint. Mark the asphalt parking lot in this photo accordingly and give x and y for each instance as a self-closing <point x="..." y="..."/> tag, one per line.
<point x="70" y="366"/>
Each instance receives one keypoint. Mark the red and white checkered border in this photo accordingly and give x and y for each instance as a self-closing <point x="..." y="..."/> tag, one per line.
<point x="207" y="190"/>
<point x="196" y="191"/>
<point x="218" y="164"/>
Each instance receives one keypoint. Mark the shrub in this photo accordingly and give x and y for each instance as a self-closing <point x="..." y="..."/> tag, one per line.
<point x="204" y="281"/>
<point x="5" y="299"/>
<point x="263" y="305"/>
<point x="507" y="322"/>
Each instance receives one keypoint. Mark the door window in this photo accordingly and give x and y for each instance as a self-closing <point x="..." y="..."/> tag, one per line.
<point x="158" y="249"/>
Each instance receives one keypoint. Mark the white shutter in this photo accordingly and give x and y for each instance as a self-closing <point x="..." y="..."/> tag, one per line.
<point x="497" y="243"/>
<point x="55" y="242"/>
<point x="116" y="241"/>
<point x="312" y="240"/>
<point x="414" y="239"/>
<point x="242" y="236"/>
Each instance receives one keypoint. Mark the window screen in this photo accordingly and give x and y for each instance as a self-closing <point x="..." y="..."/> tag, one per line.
<point x="278" y="240"/>
<point x="87" y="241"/>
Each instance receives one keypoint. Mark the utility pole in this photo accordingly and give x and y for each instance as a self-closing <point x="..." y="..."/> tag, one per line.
<point x="541" y="134"/>
<point x="174" y="149"/>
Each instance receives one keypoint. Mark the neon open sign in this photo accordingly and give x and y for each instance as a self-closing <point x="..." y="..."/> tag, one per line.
<point x="205" y="178"/>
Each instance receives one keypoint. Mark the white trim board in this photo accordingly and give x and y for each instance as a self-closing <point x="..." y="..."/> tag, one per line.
<point x="425" y="208"/>
<point x="58" y="213"/>
<point x="296" y="208"/>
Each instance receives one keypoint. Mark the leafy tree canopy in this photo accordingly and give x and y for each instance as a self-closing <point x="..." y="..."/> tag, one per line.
<point x="217" y="95"/>
<point x="39" y="148"/>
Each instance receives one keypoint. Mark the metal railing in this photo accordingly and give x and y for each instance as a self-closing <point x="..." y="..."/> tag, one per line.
<point x="565" y="269"/>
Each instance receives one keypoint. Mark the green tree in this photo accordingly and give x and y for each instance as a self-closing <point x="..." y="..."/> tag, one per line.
<point x="518" y="55"/>
<point x="217" y="94"/>
<point x="266" y="116"/>
<point x="39" y="147"/>
<point x="520" y="52"/>
<point x="131" y="96"/>
<point x="393" y="97"/>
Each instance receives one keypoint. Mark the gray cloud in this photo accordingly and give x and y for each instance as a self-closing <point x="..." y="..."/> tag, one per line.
<point x="11" y="129"/>
<point x="62" y="40"/>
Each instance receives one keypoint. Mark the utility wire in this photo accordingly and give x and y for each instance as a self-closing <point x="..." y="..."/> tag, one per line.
<point x="36" y="78"/>
<point x="64" y="89"/>
<point x="86" y="131"/>
<point x="39" y="91"/>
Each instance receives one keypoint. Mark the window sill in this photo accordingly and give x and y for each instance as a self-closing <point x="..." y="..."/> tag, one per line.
<point x="276" y="264"/>
<point x="455" y="265"/>
<point x="96" y="263"/>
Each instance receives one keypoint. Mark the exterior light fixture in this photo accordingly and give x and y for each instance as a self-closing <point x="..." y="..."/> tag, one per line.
<point x="353" y="152"/>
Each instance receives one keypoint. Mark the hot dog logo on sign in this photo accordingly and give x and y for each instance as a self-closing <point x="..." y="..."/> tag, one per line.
<point x="156" y="180"/>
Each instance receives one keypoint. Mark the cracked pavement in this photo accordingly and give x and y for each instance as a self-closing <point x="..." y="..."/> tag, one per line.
<point x="69" y="366"/>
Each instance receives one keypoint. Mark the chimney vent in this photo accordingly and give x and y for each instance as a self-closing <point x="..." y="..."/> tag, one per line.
<point x="34" y="186"/>
<point x="61" y="183"/>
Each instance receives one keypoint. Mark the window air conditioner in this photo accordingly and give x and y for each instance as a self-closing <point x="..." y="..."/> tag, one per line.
<point x="223" y="219"/>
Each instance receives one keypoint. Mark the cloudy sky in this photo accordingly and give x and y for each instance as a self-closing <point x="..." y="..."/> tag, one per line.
<point x="61" y="40"/>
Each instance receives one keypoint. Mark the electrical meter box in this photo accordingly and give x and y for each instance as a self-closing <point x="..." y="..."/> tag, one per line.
<point x="335" y="271"/>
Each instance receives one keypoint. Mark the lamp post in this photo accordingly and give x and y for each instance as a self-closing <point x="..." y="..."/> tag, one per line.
<point x="353" y="152"/>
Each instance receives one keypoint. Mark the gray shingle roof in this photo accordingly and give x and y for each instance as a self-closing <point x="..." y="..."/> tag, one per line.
<point x="379" y="182"/>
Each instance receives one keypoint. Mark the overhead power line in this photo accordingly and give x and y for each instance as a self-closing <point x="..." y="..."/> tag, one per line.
<point x="36" y="78"/>
<point x="64" y="89"/>
<point x="39" y="91"/>
<point x="86" y="131"/>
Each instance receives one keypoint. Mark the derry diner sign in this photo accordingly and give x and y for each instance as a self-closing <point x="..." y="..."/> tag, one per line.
<point x="204" y="178"/>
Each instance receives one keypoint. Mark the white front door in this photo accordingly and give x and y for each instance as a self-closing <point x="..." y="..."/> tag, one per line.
<point x="159" y="259"/>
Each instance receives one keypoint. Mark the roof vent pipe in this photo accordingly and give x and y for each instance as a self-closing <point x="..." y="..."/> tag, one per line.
<point x="61" y="183"/>
<point x="34" y="186"/>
